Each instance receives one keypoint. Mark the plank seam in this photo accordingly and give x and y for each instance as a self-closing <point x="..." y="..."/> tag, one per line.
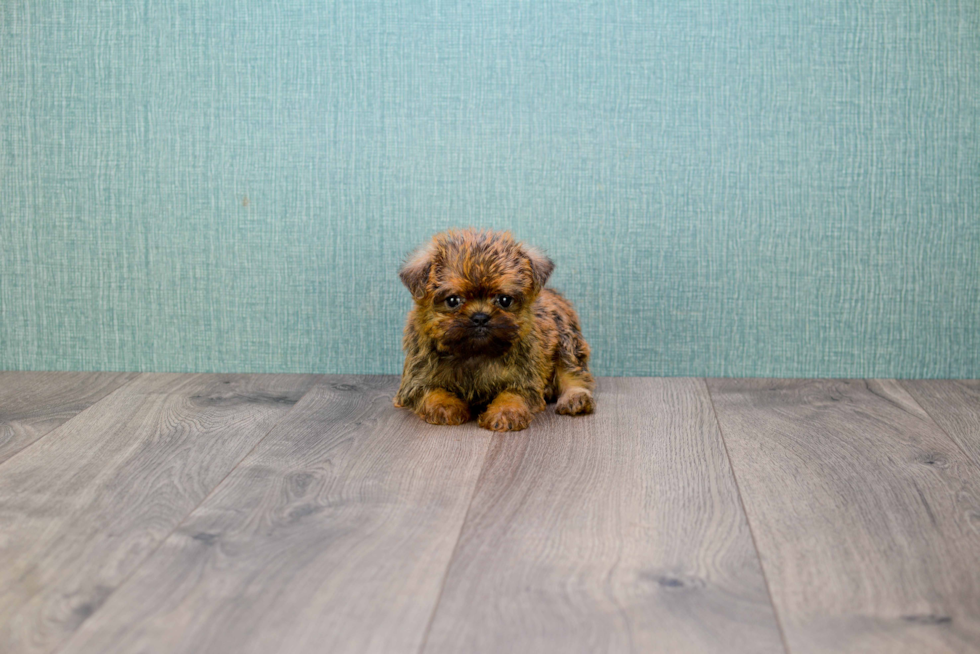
<point x="163" y="540"/>
<point x="748" y="522"/>
<point x="925" y="410"/>
<point x="66" y="422"/>
<point x="452" y="557"/>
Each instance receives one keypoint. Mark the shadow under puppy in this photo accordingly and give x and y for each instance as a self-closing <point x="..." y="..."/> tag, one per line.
<point x="486" y="336"/>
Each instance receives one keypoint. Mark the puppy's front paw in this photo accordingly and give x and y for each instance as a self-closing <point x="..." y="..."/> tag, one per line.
<point x="509" y="412"/>
<point x="575" y="402"/>
<point x="505" y="419"/>
<point x="443" y="408"/>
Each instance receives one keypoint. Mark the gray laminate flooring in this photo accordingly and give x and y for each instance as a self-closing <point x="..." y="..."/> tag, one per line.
<point x="298" y="513"/>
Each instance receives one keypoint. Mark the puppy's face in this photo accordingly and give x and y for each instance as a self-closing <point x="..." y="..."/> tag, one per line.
<point x="473" y="291"/>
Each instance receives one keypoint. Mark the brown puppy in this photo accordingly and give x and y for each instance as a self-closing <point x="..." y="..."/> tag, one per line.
<point x="485" y="335"/>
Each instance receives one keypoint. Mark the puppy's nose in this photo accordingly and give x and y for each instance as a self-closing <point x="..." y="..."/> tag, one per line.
<point x="480" y="318"/>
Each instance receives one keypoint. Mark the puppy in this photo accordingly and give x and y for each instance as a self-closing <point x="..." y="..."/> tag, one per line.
<point x="486" y="338"/>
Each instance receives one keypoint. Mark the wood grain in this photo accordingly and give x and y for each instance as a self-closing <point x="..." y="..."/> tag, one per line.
<point x="616" y="532"/>
<point x="34" y="403"/>
<point x="84" y="506"/>
<point x="866" y="515"/>
<point x="333" y="536"/>
<point x="955" y="406"/>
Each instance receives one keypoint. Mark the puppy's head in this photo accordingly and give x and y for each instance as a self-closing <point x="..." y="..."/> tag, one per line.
<point x="474" y="289"/>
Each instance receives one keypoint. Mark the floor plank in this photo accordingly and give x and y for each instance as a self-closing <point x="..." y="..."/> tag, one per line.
<point x="617" y="532"/>
<point x="84" y="506"/>
<point x="955" y="406"/>
<point x="34" y="403"/>
<point x="866" y="515"/>
<point x="332" y="536"/>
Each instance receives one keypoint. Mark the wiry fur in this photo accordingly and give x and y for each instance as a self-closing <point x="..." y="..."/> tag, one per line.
<point x="530" y="353"/>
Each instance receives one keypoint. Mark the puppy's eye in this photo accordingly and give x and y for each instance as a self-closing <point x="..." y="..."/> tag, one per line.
<point x="453" y="301"/>
<point x="505" y="301"/>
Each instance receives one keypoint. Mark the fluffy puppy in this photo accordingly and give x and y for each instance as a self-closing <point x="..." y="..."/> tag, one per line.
<point x="486" y="338"/>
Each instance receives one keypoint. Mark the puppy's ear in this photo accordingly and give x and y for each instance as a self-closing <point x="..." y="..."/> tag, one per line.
<point x="541" y="265"/>
<point x="414" y="272"/>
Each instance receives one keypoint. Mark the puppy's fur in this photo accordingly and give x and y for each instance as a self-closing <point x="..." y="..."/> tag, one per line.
<point x="528" y="350"/>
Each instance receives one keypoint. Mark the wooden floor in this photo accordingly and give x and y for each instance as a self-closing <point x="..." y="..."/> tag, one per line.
<point x="300" y="513"/>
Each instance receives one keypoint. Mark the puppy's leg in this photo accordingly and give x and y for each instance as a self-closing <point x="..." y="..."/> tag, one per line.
<point x="440" y="407"/>
<point x="574" y="392"/>
<point x="510" y="411"/>
<point x="571" y="383"/>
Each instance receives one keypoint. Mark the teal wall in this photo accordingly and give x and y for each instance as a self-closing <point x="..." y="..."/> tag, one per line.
<point x="758" y="187"/>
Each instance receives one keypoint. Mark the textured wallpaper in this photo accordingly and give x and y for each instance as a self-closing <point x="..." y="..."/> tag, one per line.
<point x="757" y="187"/>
